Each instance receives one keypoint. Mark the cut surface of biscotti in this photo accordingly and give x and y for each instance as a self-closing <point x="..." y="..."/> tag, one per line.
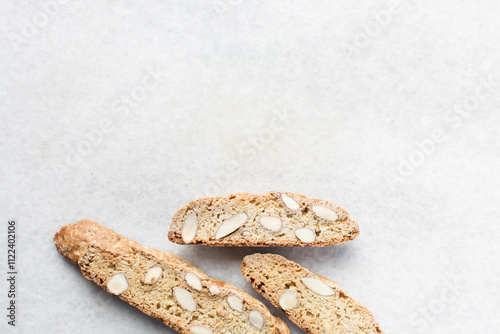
<point x="272" y="219"/>
<point x="163" y="285"/>
<point x="312" y="302"/>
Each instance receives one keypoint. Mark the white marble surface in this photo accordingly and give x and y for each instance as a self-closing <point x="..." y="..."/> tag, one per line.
<point x="123" y="111"/>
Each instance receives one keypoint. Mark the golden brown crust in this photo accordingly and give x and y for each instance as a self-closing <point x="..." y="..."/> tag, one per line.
<point x="349" y="229"/>
<point x="74" y="241"/>
<point x="254" y="263"/>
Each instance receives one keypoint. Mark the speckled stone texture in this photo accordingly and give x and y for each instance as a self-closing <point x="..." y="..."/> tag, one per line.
<point x="124" y="111"/>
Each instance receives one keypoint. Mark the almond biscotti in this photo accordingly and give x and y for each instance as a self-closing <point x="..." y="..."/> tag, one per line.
<point x="312" y="302"/>
<point x="163" y="285"/>
<point x="273" y="219"/>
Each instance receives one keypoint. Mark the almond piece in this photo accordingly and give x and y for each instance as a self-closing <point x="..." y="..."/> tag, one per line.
<point x="316" y="286"/>
<point x="327" y="327"/>
<point x="200" y="330"/>
<point x="214" y="290"/>
<point x="118" y="284"/>
<point x="305" y="235"/>
<point x="193" y="281"/>
<point x="256" y="319"/>
<point x="289" y="300"/>
<point x="235" y="302"/>
<point x="185" y="299"/>
<point x="231" y="224"/>
<point x="190" y="227"/>
<point x="290" y="202"/>
<point x="325" y="212"/>
<point x="153" y="275"/>
<point x="222" y="312"/>
<point x="271" y="223"/>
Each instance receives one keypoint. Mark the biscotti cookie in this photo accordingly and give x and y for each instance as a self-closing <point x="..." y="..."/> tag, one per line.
<point x="273" y="219"/>
<point x="163" y="285"/>
<point x="311" y="301"/>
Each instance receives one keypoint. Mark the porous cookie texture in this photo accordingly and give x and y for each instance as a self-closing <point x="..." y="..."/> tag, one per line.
<point x="272" y="219"/>
<point x="163" y="285"/>
<point x="312" y="302"/>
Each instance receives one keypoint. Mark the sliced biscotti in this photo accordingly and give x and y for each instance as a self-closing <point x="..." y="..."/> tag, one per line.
<point x="312" y="302"/>
<point x="163" y="285"/>
<point x="273" y="219"/>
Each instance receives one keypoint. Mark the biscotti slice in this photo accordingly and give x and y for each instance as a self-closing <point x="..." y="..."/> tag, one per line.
<point x="311" y="301"/>
<point x="273" y="219"/>
<point x="163" y="285"/>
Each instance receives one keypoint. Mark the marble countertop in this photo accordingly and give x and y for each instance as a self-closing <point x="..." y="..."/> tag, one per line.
<point x="122" y="112"/>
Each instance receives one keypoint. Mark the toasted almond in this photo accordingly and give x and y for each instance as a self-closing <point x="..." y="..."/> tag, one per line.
<point x="305" y="235"/>
<point x="289" y="300"/>
<point x="290" y="202"/>
<point x="117" y="284"/>
<point x="200" y="330"/>
<point x="190" y="227"/>
<point x="271" y="223"/>
<point x="235" y="302"/>
<point x="325" y="212"/>
<point x="185" y="299"/>
<point x="153" y="275"/>
<point x="317" y="286"/>
<point x="193" y="281"/>
<point x="256" y="319"/>
<point x="231" y="224"/>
